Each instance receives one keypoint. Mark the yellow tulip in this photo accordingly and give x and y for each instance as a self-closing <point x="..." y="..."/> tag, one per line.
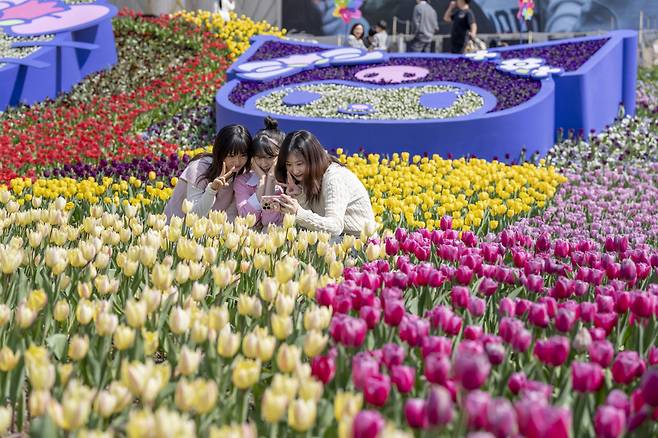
<point x="273" y="406"/>
<point x="301" y="414"/>
<point x="124" y="337"/>
<point x="245" y="373"/>
<point x="8" y="359"/>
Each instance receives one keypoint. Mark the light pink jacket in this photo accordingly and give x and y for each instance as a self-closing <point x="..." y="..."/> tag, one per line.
<point x="245" y="188"/>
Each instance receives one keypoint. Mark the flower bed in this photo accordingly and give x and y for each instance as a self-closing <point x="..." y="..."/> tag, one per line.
<point x="385" y="103"/>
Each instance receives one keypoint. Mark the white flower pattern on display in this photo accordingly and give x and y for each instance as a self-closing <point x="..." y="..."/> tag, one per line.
<point x="282" y="67"/>
<point x="535" y="68"/>
<point x="483" y="55"/>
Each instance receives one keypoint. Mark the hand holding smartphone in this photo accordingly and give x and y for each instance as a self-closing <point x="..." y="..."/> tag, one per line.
<point x="270" y="202"/>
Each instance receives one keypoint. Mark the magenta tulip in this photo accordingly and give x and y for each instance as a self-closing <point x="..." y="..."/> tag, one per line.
<point x="393" y="312"/>
<point x="649" y="387"/>
<point x="565" y="319"/>
<point x="415" y="411"/>
<point x="501" y="418"/>
<point x="627" y="367"/>
<point x="377" y="389"/>
<point x="363" y="366"/>
<point x="439" y="406"/>
<point x="367" y="424"/>
<point x="609" y="422"/>
<point x="436" y="344"/>
<point x="601" y="352"/>
<point x="392" y="355"/>
<point x="403" y="377"/>
<point x="553" y="351"/>
<point x="476" y="406"/>
<point x="586" y="377"/>
<point x="516" y="382"/>
<point x="437" y="368"/>
<point x="324" y="368"/>
<point x="471" y="366"/>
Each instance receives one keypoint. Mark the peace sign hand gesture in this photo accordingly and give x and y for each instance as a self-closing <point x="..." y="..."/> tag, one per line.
<point x="222" y="180"/>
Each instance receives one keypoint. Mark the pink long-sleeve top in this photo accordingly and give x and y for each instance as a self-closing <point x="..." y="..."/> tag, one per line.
<point x="203" y="198"/>
<point x="247" y="202"/>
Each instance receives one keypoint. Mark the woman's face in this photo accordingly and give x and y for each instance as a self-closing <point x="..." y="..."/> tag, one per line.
<point x="358" y="31"/>
<point x="236" y="161"/>
<point x="296" y="166"/>
<point x="265" y="162"/>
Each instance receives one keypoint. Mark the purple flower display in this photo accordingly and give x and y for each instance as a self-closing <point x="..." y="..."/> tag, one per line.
<point x="596" y="204"/>
<point x="568" y="56"/>
<point x="164" y="167"/>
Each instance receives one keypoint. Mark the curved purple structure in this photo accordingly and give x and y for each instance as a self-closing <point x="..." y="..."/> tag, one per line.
<point x="529" y="92"/>
<point x="83" y="44"/>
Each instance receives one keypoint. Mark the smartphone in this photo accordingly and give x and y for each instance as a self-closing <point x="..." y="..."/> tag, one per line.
<point x="270" y="202"/>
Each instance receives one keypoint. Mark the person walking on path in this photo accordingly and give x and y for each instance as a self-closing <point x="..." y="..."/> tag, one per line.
<point x="425" y="24"/>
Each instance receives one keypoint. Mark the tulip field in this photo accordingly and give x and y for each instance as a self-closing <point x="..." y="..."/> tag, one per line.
<point x="494" y="300"/>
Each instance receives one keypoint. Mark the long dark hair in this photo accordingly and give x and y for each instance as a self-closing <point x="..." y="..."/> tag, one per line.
<point x="268" y="141"/>
<point x="354" y="27"/>
<point x="230" y="140"/>
<point x="316" y="157"/>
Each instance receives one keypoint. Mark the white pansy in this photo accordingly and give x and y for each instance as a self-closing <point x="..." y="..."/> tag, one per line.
<point x="483" y="55"/>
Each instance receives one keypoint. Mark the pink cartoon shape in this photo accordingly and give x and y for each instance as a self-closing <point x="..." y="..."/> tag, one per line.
<point x="39" y="17"/>
<point x="392" y="74"/>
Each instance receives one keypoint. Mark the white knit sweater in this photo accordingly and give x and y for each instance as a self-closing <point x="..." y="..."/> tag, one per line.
<point x="343" y="207"/>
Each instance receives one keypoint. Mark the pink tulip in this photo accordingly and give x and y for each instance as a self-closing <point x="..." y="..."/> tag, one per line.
<point x="543" y="243"/>
<point x="627" y="367"/>
<point x="561" y="248"/>
<point x="476" y="306"/>
<point x="392" y="355"/>
<point x="392" y="247"/>
<point x="565" y="319"/>
<point x="542" y="421"/>
<point x="436" y="344"/>
<point x="606" y="321"/>
<point x="587" y="311"/>
<point x="439" y="406"/>
<point x="586" y="377"/>
<point x="649" y="387"/>
<point x="652" y="355"/>
<point x="437" y="368"/>
<point x="641" y="304"/>
<point x="538" y="315"/>
<point x="473" y="332"/>
<point x="609" y="422"/>
<point x="464" y="275"/>
<point x="495" y="353"/>
<point x="367" y="424"/>
<point x="506" y="307"/>
<point x="377" y="389"/>
<point x="413" y="329"/>
<point x="403" y="377"/>
<point x="324" y="368"/>
<point x="471" y="365"/>
<point x="619" y="400"/>
<point x="476" y="406"/>
<point x="487" y="287"/>
<point x="553" y="351"/>
<point x="534" y="283"/>
<point x="453" y="326"/>
<point x="393" y="312"/>
<point x="521" y="341"/>
<point x="363" y="366"/>
<point x="371" y="315"/>
<point x="516" y="382"/>
<point x="415" y="411"/>
<point x="347" y="330"/>
<point x="501" y="418"/>
<point x="469" y="239"/>
<point x="601" y="352"/>
<point x="628" y="270"/>
<point x="446" y="223"/>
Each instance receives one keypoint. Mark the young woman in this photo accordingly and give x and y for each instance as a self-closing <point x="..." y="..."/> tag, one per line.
<point x="250" y="187"/>
<point x="321" y="193"/>
<point x="355" y="38"/>
<point x="207" y="182"/>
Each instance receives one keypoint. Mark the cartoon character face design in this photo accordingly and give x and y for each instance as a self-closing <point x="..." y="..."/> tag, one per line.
<point x="39" y="17"/>
<point x="392" y="74"/>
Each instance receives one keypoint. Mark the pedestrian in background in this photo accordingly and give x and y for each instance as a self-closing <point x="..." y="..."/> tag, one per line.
<point x="463" y="24"/>
<point x="425" y="24"/>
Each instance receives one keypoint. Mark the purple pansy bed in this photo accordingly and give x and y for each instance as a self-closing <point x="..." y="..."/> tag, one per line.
<point x="504" y="100"/>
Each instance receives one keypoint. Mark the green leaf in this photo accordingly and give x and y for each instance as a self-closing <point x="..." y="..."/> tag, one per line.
<point x="43" y="427"/>
<point x="57" y="344"/>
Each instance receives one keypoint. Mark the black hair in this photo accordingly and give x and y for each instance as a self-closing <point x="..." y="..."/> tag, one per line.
<point x="382" y="24"/>
<point x="268" y="141"/>
<point x="354" y="27"/>
<point x="315" y="155"/>
<point x="230" y="140"/>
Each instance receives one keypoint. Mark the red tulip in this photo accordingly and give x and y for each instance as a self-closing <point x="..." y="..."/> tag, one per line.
<point x="324" y="368"/>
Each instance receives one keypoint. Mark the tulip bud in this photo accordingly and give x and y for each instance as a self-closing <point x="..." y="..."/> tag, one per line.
<point x="124" y="338"/>
<point x="78" y="347"/>
<point x="179" y="320"/>
<point x="199" y="291"/>
<point x="135" y="312"/>
<point x="367" y="424"/>
<point x="8" y="359"/>
<point x="38" y="403"/>
<point x="218" y="317"/>
<point x="245" y="373"/>
<point x="314" y="343"/>
<point x="273" y="406"/>
<point x="268" y="289"/>
<point x="281" y="326"/>
<point x="228" y="343"/>
<point x="24" y="316"/>
<point x="199" y="332"/>
<point x="5" y="314"/>
<point x="61" y="311"/>
<point x="84" y="312"/>
<point x="188" y="361"/>
<point x="287" y="358"/>
<point x="301" y="414"/>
